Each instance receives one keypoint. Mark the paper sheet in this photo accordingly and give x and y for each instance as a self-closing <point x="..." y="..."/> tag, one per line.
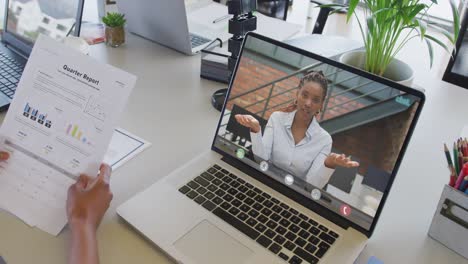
<point x="201" y="22"/>
<point x="58" y="126"/>
<point x="123" y="147"/>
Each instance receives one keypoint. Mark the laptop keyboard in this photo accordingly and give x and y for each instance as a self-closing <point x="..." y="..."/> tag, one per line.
<point x="10" y="73"/>
<point x="284" y="231"/>
<point x="197" y="40"/>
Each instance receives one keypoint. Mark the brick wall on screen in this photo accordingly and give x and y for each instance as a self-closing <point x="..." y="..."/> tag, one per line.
<point x="252" y="74"/>
<point x="377" y="143"/>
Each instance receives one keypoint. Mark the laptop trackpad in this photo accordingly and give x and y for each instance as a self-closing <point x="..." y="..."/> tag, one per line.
<point x="206" y="244"/>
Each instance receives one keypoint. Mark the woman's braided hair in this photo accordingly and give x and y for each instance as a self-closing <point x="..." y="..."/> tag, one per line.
<point x="312" y="76"/>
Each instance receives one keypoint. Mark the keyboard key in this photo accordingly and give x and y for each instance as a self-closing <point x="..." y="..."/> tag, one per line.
<point x="304" y="225"/>
<point x="209" y="205"/>
<point x="220" y="193"/>
<point x="262" y="219"/>
<point x="236" y="203"/>
<point x="242" y="216"/>
<point x="228" y="197"/>
<point x="310" y="248"/>
<point x="219" y="175"/>
<point x="241" y="181"/>
<point x="217" y="200"/>
<point x="224" y="186"/>
<point x="184" y="189"/>
<point x="234" y="211"/>
<point x="216" y="166"/>
<point x="259" y="198"/>
<point x="249" y="201"/>
<point x="250" y="232"/>
<point x="266" y="211"/>
<point x="270" y="233"/>
<point x="200" y="180"/>
<point x="201" y="190"/>
<point x="260" y="228"/>
<point x="209" y="195"/>
<point x="283" y="256"/>
<point x="312" y="222"/>
<point x="266" y="195"/>
<point x="333" y="234"/>
<point x="285" y="206"/>
<point x="268" y="203"/>
<point x="207" y="176"/>
<point x="323" y="228"/>
<point x="314" y="240"/>
<point x="275" y="248"/>
<point x="244" y="208"/>
<point x="251" y="193"/>
<point x="279" y="239"/>
<point x="227" y="179"/>
<point x="225" y="206"/>
<point x="303" y="216"/>
<point x="327" y="238"/>
<point x="240" y="196"/>
<point x="314" y="230"/>
<point x="284" y="222"/>
<point x="225" y="171"/>
<point x="251" y="222"/>
<point x="277" y="209"/>
<point x="193" y="185"/>
<point x="295" y="260"/>
<point x="294" y="228"/>
<point x="289" y="245"/>
<point x="295" y="219"/>
<point x="281" y="230"/>
<point x="275" y="217"/>
<point x="212" y="188"/>
<point x="294" y="212"/>
<point x="243" y="189"/>
<point x="274" y="200"/>
<point x="322" y="249"/>
<point x="264" y="241"/>
<point x="272" y="224"/>
<point x="234" y="184"/>
<point x="257" y="206"/>
<point x="248" y="185"/>
<point x="285" y="214"/>
<point x="306" y="256"/>
<point x="200" y="199"/>
<point x="304" y="234"/>
<point x="192" y="194"/>
<point x="257" y="190"/>
<point x="300" y="242"/>
<point x="253" y="213"/>
<point x="291" y="236"/>
<point x="217" y="182"/>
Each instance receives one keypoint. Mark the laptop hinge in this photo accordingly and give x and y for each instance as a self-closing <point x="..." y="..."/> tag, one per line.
<point x="317" y="208"/>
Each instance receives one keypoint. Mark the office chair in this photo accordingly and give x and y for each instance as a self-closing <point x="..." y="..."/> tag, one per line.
<point x="274" y="8"/>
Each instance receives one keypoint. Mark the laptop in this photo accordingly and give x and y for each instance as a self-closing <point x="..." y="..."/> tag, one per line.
<point x="25" y="20"/>
<point x="229" y="207"/>
<point x="166" y="22"/>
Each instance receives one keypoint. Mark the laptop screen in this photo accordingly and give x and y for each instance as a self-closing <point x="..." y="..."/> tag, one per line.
<point x="26" y="19"/>
<point x="327" y="133"/>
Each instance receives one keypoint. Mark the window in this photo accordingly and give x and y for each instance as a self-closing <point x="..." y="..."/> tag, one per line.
<point x="45" y="20"/>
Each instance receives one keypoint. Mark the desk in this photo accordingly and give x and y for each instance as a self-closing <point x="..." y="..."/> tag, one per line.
<point x="170" y="107"/>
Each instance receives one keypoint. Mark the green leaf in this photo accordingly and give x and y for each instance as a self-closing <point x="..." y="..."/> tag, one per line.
<point x="352" y="6"/>
<point x="456" y="20"/>
<point x="447" y="34"/>
<point x="438" y="42"/>
<point x="431" y="52"/>
<point x="422" y="26"/>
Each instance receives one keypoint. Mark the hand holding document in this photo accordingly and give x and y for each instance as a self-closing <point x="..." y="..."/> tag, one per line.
<point x="58" y="126"/>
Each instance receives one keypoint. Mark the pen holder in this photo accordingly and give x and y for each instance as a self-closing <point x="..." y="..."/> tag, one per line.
<point x="450" y="222"/>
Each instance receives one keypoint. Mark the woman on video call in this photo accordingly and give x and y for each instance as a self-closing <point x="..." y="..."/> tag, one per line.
<point x="293" y="139"/>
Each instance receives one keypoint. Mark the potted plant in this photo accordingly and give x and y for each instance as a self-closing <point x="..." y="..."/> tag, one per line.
<point x="115" y="33"/>
<point x="390" y="24"/>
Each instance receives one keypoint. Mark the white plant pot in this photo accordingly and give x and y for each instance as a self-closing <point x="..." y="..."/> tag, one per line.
<point x="397" y="70"/>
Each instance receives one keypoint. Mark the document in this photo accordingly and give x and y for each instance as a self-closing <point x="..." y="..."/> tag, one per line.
<point x="58" y="126"/>
<point x="123" y="147"/>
